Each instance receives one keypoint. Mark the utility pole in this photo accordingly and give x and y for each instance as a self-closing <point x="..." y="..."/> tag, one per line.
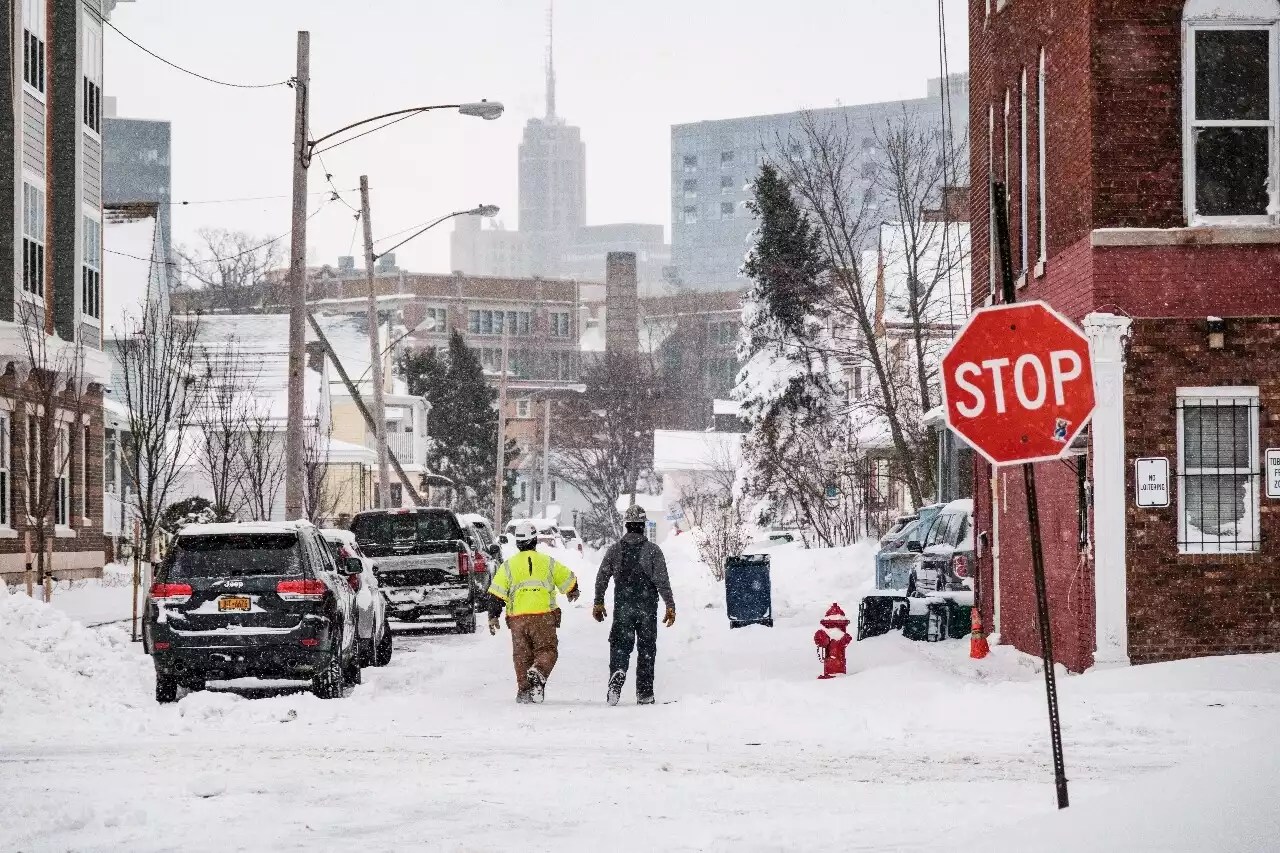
<point x="293" y="442"/>
<point x="375" y="351"/>
<point x="500" y="464"/>
<point x="546" y="457"/>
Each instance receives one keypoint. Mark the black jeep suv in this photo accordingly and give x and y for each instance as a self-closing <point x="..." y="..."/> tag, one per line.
<point x="264" y="600"/>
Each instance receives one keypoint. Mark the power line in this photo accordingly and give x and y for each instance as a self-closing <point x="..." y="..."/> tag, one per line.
<point x="369" y="131"/>
<point x="193" y="73"/>
<point x="328" y="176"/>
<point x="246" y="198"/>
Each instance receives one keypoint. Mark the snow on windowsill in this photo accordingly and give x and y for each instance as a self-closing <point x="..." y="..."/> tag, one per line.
<point x="8" y="533"/>
<point x="1022" y="280"/>
<point x="1216" y="233"/>
<point x="63" y="532"/>
<point x="1040" y="268"/>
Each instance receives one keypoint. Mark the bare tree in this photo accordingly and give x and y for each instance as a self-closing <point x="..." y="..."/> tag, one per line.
<point x="156" y="352"/>
<point x="829" y="170"/>
<point x="262" y="456"/>
<point x="53" y="382"/>
<point x="223" y="418"/>
<point x="238" y="272"/>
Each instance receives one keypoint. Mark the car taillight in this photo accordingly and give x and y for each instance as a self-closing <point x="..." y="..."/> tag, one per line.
<point x="301" y="590"/>
<point x="464" y="563"/>
<point x="172" y="593"/>
<point x="354" y="581"/>
<point x="481" y="564"/>
<point x="960" y="566"/>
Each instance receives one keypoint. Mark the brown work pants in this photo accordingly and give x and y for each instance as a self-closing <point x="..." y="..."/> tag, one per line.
<point x="534" y="643"/>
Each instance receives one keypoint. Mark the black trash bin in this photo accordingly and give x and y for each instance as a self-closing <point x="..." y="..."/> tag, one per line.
<point x="748" y="592"/>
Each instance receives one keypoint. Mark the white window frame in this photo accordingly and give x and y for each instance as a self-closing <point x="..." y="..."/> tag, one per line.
<point x="34" y="16"/>
<point x="1190" y="26"/>
<point x="691" y="215"/>
<point x="91" y="263"/>
<point x="91" y="54"/>
<point x="1024" y="218"/>
<point x="991" y="201"/>
<point x="559" y="323"/>
<point x="62" y="485"/>
<point x="1208" y="397"/>
<point x="34" y="230"/>
<point x="1043" y="180"/>
<point x="85" y="435"/>
<point x="524" y="408"/>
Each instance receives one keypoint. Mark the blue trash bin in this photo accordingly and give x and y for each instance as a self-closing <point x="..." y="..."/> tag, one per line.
<point x="748" y="592"/>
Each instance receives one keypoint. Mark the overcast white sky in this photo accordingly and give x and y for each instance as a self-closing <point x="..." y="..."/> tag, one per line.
<point x="627" y="70"/>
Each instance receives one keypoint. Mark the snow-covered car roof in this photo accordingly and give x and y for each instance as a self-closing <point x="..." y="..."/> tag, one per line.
<point x="473" y="518"/>
<point x="239" y="528"/>
<point x="961" y="505"/>
<point x="337" y="534"/>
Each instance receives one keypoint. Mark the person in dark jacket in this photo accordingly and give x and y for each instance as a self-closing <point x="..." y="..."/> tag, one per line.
<point x="639" y="574"/>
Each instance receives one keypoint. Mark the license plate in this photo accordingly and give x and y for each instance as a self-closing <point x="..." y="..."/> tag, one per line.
<point x="233" y="602"/>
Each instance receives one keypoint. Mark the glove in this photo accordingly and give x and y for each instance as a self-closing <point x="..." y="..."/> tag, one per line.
<point x="493" y="625"/>
<point x="597" y="613"/>
<point x="574" y="594"/>
<point x="670" y="618"/>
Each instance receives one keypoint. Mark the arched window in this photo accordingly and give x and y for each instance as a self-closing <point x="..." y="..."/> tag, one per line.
<point x="1230" y="110"/>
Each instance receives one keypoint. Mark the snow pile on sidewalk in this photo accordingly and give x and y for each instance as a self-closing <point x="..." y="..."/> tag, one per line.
<point x="57" y="674"/>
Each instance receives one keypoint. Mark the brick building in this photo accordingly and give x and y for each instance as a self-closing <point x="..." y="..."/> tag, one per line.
<point x="1138" y="141"/>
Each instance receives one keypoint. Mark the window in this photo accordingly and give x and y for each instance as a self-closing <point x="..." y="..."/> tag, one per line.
<point x="85" y="437"/>
<point x="722" y="334"/>
<point x="91" y="272"/>
<point x="691" y="189"/>
<point x="559" y="324"/>
<point x="397" y="493"/>
<point x="726" y="210"/>
<point x="434" y="320"/>
<point x="1041" y="133"/>
<point x="33" y="460"/>
<point x="93" y="77"/>
<point x="62" y="487"/>
<point x="6" y="515"/>
<point x="691" y="216"/>
<point x="1218" y="472"/>
<point x="1230" y="137"/>
<point x="32" y="239"/>
<point x="524" y="491"/>
<point x="992" y="249"/>
<point x="726" y="159"/>
<point x="1023" y="231"/>
<point x="553" y="490"/>
<point x="691" y="162"/>
<point x="564" y="366"/>
<point x="537" y="491"/>
<point x="496" y="322"/>
<point x="110" y="457"/>
<point x="33" y="55"/>
<point x="728" y="184"/>
<point x="524" y="408"/>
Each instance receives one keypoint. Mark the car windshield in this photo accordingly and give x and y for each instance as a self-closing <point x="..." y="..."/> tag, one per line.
<point x="568" y="533"/>
<point x="910" y="532"/>
<point x="481" y="533"/>
<point x="400" y="526"/>
<point x="242" y="554"/>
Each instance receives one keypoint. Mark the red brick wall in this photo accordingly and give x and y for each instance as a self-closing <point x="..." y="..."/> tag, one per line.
<point x="1190" y="605"/>
<point x="1189" y="281"/>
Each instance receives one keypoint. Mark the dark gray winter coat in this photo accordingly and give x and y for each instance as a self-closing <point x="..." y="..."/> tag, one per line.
<point x="653" y="565"/>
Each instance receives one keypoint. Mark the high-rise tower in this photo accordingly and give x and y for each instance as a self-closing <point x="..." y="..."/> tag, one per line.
<point x="553" y="164"/>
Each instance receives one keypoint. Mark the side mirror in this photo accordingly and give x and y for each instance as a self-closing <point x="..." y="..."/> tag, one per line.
<point x="915" y="546"/>
<point x="351" y="566"/>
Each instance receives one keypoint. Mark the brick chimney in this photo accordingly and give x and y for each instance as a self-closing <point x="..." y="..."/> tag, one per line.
<point x="622" y="325"/>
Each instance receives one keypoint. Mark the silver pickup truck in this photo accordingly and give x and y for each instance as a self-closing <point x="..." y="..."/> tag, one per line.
<point x="424" y="565"/>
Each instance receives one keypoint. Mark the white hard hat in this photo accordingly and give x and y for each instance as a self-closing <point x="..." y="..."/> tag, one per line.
<point x="523" y="531"/>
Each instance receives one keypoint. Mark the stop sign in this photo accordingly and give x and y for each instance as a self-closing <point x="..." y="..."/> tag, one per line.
<point x="1017" y="383"/>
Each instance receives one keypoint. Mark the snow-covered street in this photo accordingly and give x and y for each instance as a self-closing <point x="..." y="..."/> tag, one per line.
<point x="748" y="752"/>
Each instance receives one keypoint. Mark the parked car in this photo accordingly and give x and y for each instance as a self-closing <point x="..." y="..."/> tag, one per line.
<point x="488" y="538"/>
<point x="264" y="600"/>
<point x="572" y="540"/>
<point x="899" y="525"/>
<point x="373" y="634"/>
<point x="896" y="557"/>
<point x="424" y="564"/>
<point x="548" y="533"/>
<point x="483" y="568"/>
<point x="947" y="553"/>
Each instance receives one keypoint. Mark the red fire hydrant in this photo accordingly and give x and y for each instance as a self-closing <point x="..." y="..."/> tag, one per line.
<point x="831" y="641"/>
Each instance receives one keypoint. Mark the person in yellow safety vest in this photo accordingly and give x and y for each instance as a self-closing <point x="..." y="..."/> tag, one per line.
<point x="525" y="586"/>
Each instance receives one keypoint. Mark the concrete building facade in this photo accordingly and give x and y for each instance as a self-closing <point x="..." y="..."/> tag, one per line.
<point x="714" y="162"/>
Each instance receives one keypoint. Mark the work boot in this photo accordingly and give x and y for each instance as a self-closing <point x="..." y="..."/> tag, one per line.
<point x="644" y="700"/>
<point x="616" y="681"/>
<point x="523" y="698"/>
<point x="537" y="686"/>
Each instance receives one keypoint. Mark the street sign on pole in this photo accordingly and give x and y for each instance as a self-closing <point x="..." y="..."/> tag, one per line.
<point x="1018" y="383"/>
<point x="1018" y="386"/>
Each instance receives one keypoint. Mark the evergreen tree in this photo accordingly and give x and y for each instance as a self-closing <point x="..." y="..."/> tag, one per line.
<point x="463" y="423"/>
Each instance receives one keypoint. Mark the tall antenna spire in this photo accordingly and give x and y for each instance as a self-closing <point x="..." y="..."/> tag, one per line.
<point x="551" y="60"/>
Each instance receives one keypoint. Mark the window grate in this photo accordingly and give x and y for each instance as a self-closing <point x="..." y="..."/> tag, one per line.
<point x="1219" y="478"/>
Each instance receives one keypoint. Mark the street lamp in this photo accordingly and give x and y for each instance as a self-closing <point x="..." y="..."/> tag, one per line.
<point x="303" y="150"/>
<point x="375" y="351"/>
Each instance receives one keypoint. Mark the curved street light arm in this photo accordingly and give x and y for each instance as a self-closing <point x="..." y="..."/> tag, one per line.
<point x="421" y="231"/>
<point x="315" y="142"/>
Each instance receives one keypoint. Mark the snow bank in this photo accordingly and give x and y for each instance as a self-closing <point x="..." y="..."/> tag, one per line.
<point x="55" y="674"/>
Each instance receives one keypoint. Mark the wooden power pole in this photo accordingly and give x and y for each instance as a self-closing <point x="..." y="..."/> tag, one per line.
<point x="294" y="503"/>
<point x="375" y="352"/>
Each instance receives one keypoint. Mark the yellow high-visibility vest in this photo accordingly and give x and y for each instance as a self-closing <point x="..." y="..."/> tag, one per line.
<point x="528" y="583"/>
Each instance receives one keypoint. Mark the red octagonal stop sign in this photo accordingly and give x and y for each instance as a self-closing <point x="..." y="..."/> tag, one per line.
<point x="1018" y="383"/>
